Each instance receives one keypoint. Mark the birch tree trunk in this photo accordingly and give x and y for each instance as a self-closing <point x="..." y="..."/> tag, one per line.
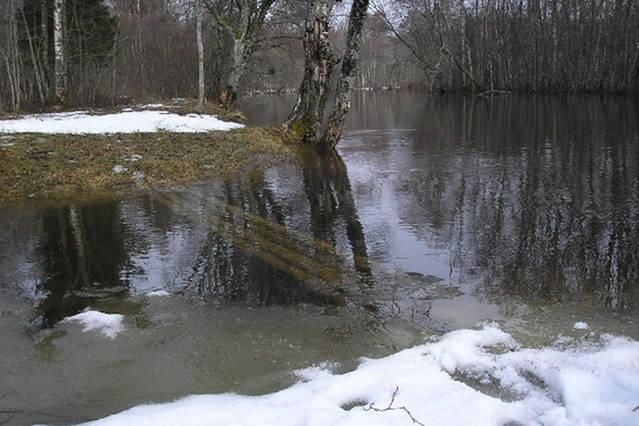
<point x="308" y="113"/>
<point x="200" y="55"/>
<point x="244" y="30"/>
<point x="238" y="66"/>
<point x="335" y="125"/>
<point x="242" y="43"/>
<point x="60" y="57"/>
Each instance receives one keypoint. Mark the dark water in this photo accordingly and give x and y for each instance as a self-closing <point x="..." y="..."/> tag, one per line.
<point x="439" y="212"/>
<point x="530" y="196"/>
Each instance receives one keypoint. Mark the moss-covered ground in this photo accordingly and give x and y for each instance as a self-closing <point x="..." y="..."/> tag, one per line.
<point x="59" y="166"/>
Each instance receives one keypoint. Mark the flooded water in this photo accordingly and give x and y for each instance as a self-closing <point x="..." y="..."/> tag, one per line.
<point x="438" y="213"/>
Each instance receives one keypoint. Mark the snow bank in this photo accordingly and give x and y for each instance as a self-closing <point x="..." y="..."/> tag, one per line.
<point x="81" y="122"/>
<point x="478" y="377"/>
<point x="108" y="324"/>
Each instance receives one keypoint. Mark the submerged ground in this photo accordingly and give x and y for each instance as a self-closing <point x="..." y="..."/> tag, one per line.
<point x="440" y="213"/>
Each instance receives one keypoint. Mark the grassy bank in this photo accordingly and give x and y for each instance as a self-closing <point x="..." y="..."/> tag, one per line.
<point x="64" y="165"/>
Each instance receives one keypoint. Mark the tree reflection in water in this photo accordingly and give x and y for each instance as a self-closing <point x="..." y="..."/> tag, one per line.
<point x="82" y="254"/>
<point x="532" y="197"/>
<point x="228" y="241"/>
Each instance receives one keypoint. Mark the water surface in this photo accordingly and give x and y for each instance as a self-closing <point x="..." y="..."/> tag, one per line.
<point x="438" y="213"/>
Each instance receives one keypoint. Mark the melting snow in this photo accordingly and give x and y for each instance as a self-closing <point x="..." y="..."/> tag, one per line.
<point x="108" y="324"/>
<point x="580" y="325"/>
<point x="133" y="158"/>
<point x="153" y="106"/>
<point x="82" y="122"/>
<point x="158" y="293"/>
<point x="479" y="377"/>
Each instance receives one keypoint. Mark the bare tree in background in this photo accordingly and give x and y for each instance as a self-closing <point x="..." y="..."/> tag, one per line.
<point x="60" y="61"/>
<point x="120" y="51"/>
<point x="9" y="53"/>
<point x="526" y="46"/>
<point x="200" y="55"/>
<point x="243" y="21"/>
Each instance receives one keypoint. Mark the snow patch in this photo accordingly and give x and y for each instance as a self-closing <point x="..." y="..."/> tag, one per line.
<point x="158" y="293"/>
<point x="139" y="175"/>
<point x="478" y="376"/>
<point x="82" y="122"/>
<point x="580" y="325"/>
<point x="133" y="158"/>
<point x="110" y="325"/>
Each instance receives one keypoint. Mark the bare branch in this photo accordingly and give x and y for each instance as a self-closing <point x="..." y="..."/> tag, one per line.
<point x="371" y="407"/>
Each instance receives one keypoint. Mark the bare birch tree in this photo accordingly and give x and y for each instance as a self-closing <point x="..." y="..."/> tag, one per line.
<point x="242" y="20"/>
<point x="335" y="124"/>
<point x="200" y="55"/>
<point x="60" y="57"/>
<point x="308" y="113"/>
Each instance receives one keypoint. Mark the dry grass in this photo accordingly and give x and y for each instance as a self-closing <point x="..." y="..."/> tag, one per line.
<point x="59" y="166"/>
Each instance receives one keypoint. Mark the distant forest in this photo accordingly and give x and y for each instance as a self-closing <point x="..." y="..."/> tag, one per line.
<point x="123" y="50"/>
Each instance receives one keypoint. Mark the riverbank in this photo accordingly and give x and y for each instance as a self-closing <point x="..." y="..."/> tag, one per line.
<point x="61" y="165"/>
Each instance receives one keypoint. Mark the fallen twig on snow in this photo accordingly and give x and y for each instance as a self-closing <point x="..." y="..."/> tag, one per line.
<point x="371" y="407"/>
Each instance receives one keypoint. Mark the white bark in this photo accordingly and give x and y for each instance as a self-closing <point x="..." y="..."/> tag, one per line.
<point x="60" y="59"/>
<point x="200" y="54"/>
<point x="244" y="30"/>
<point x="335" y="124"/>
<point x="239" y="64"/>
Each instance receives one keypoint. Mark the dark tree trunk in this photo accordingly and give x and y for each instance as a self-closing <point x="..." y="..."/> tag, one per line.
<point x="308" y="113"/>
<point x="335" y="125"/>
<point x="331" y="200"/>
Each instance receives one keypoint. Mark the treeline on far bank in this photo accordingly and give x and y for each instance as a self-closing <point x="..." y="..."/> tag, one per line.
<point x="121" y="50"/>
<point x="521" y="45"/>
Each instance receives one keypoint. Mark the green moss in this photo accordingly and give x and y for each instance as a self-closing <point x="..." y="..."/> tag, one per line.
<point x="299" y="128"/>
<point x="303" y="128"/>
<point x="65" y="165"/>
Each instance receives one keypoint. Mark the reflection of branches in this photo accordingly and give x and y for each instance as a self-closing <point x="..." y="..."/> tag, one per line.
<point x="330" y="196"/>
<point x="243" y="240"/>
<point x="10" y="416"/>
<point x="390" y="407"/>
